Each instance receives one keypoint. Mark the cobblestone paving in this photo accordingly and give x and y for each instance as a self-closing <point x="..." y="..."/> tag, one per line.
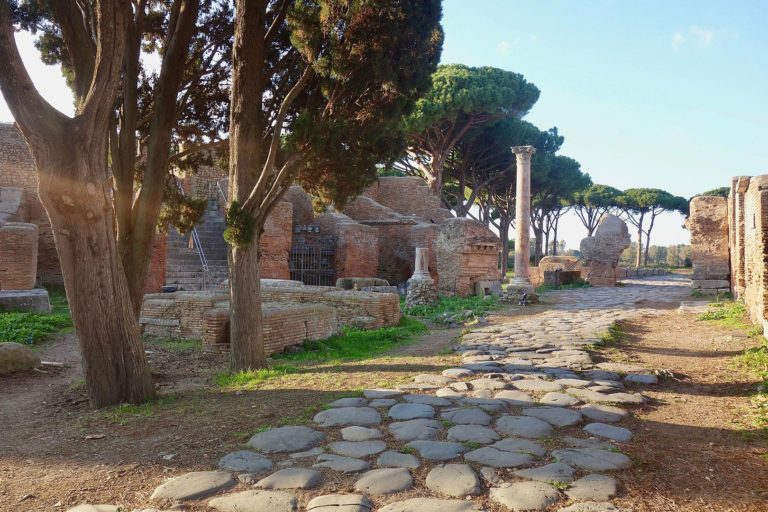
<point x="528" y="421"/>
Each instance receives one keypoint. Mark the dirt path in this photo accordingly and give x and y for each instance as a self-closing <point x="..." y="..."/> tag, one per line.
<point x="694" y="449"/>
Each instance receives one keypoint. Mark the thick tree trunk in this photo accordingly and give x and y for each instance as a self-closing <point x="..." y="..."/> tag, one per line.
<point x="77" y="200"/>
<point x="245" y="295"/>
<point x="504" y="235"/>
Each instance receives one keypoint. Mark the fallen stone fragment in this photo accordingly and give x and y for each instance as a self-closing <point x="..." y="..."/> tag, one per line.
<point x="592" y="487"/>
<point x="592" y="459"/>
<point x="341" y="464"/>
<point x="525" y="496"/>
<point x="190" y="486"/>
<point x="15" y="357"/>
<point x="437" y="450"/>
<point x="392" y="459"/>
<point x="291" y="478"/>
<point x="360" y="416"/>
<point x="523" y="426"/>
<point x="357" y="448"/>
<point x="453" y="480"/>
<point x="556" y="472"/>
<point x="338" y="503"/>
<point x="255" y="501"/>
<point x="431" y="505"/>
<point x="245" y="461"/>
<point x="384" y="481"/>
<point x="286" y="439"/>
<point x="619" y="434"/>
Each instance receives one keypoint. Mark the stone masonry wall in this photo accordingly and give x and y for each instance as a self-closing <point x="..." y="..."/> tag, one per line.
<point x="17" y="169"/>
<point x="708" y="224"/>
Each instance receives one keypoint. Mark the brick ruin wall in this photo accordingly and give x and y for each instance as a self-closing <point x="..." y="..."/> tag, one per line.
<point x="183" y="314"/>
<point x="408" y="196"/>
<point x="18" y="256"/>
<point x="276" y="242"/>
<point x="708" y="225"/>
<point x="748" y="242"/>
<point x="467" y="252"/>
<point x="17" y="169"/>
<point x="357" y="245"/>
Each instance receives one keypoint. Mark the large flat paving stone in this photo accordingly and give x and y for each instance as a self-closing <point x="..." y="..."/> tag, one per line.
<point x="392" y="459"/>
<point x="536" y="385"/>
<point x="286" y="439"/>
<point x="245" y="461"/>
<point x="526" y="496"/>
<point x="468" y="416"/>
<point x="557" y="416"/>
<point x="489" y="384"/>
<point x="437" y="450"/>
<point x="255" y="501"/>
<point x="190" y="486"/>
<point x="523" y="426"/>
<point x="413" y="430"/>
<point x="472" y="433"/>
<point x="591" y="506"/>
<point x="559" y="400"/>
<point x="431" y="505"/>
<point x="486" y="404"/>
<point x="357" y="448"/>
<point x="514" y="444"/>
<point x="360" y="416"/>
<point x="403" y="412"/>
<point x="493" y="457"/>
<point x="359" y="433"/>
<point x="85" y="507"/>
<point x="349" y="402"/>
<point x="433" y="379"/>
<point x="555" y="472"/>
<point x="619" y="434"/>
<point x="455" y="480"/>
<point x="592" y="459"/>
<point x="427" y="400"/>
<point x="384" y="481"/>
<point x="592" y="487"/>
<point x="382" y="393"/>
<point x="457" y="373"/>
<point x="341" y="464"/>
<point x="291" y="478"/>
<point x="603" y="413"/>
<point x="515" y="397"/>
<point x="338" y="503"/>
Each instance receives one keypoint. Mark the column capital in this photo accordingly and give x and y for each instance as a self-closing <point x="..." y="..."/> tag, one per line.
<point x="523" y="150"/>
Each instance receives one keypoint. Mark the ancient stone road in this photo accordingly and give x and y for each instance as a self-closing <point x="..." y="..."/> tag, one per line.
<point x="527" y="421"/>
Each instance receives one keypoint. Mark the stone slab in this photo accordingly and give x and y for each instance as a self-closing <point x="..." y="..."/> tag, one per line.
<point x="456" y="480"/>
<point x="384" y="481"/>
<point x="525" y="496"/>
<point x="291" y="478"/>
<point x="430" y="505"/>
<point x="190" y="486"/>
<point x="359" y="416"/>
<point x="292" y="438"/>
<point x="338" y="503"/>
<point x="255" y="501"/>
<point x="245" y="461"/>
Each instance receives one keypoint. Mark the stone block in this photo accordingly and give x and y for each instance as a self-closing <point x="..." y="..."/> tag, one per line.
<point x="358" y="283"/>
<point x="483" y="288"/>
<point x="15" y="357"/>
<point x="710" y="284"/>
<point x="30" y="301"/>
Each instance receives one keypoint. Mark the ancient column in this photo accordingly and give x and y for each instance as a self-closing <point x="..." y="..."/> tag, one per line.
<point x="522" y="217"/>
<point x="422" y="263"/>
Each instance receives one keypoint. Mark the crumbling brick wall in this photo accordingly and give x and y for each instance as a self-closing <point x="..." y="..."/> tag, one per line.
<point x="17" y="169"/>
<point x="410" y="196"/>
<point x="276" y="242"/>
<point x="18" y="256"/>
<point x="708" y="224"/>
<point x="357" y="245"/>
<point x="157" y="264"/>
<point x="467" y="252"/>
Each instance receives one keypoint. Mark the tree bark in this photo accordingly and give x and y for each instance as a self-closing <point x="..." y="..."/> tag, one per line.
<point x="504" y="235"/>
<point x="245" y="295"/>
<point x="77" y="198"/>
<point x="638" y="259"/>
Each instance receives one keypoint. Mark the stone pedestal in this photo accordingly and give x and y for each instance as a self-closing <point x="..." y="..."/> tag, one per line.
<point x="521" y="281"/>
<point x="28" y="301"/>
<point x="421" y="286"/>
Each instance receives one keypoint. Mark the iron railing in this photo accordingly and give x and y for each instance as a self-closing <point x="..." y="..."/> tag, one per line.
<point x="198" y="246"/>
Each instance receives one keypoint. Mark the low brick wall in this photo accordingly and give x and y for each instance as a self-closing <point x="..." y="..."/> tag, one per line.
<point x="18" y="256"/>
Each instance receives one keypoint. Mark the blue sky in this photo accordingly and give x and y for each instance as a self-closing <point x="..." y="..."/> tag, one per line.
<point x="666" y="94"/>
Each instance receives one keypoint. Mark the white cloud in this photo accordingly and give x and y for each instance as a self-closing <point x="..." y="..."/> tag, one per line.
<point x="694" y="37"/>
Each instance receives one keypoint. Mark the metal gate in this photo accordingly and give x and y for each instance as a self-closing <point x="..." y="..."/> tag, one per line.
<point x="312" y="260"/>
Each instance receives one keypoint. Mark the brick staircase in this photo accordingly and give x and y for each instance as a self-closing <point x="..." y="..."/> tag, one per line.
<point x="184" y="268"/>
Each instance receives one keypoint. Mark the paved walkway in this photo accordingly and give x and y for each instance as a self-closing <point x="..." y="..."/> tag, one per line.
<point x="528" y="421"/>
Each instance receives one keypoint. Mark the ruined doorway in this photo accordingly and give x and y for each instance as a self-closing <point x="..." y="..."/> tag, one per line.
<point x="313" y="259"/>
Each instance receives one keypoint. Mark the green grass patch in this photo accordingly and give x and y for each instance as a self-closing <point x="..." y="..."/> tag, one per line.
<point x="614" y="335"/>
<point x="449" y="309"/>
<point x="731" y="315"/>
<point x="356" y="344"/>
<point x="125" y="413"/>
<point x="31" y="328"/>
<point x="252" y="378"/>
<point x="578" y="283"/>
